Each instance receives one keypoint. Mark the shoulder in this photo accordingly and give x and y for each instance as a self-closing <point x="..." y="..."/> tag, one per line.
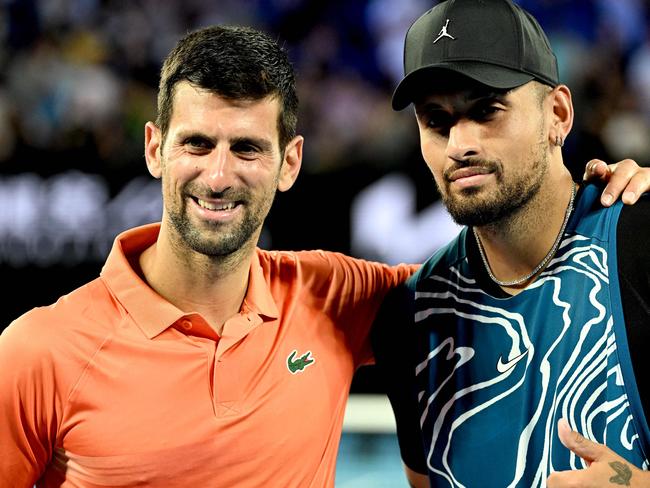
<point x="60" y="331"/>
<point x="314" y="258"/>
<point x="448" y="256"/>
<point x="633" y="234"/>
<point x="327" y="265"/>
<point x="88" y="302"/>
<point x="634" y="218"/>
<point x="630" y="222"/>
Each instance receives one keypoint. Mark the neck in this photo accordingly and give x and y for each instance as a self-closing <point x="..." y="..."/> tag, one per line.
<point x="214" y="287"/>
<point x="514" y="247"/>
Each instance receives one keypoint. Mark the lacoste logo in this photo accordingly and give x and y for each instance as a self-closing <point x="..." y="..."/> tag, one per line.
<point x="503" y="367"/>
<point x="298" y="365"/>
<point x="443" y="33"/>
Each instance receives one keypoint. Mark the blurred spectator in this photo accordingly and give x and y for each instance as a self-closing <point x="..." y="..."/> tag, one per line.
<point x="78" y="81"/>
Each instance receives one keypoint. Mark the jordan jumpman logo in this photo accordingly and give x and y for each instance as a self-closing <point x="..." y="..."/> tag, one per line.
<point x="444" y="33"/>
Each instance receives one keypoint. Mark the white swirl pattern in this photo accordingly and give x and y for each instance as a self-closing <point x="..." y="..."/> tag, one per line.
<point x="571" y="370"/>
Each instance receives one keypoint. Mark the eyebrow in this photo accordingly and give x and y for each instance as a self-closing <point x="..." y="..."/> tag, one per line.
<point x="491" y="93"/>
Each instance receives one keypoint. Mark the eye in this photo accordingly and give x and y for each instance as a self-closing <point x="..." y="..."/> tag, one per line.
<point x="438" y="120"/>
<point x="198" y="144"/>
<point x="245" y="149"/>
<point x="485" y="110"/>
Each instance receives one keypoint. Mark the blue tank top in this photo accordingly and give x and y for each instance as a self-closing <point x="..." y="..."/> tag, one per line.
<point x="494" y="375"/>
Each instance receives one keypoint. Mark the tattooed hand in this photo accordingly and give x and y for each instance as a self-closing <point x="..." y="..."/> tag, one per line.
<point x="605" y="468"/>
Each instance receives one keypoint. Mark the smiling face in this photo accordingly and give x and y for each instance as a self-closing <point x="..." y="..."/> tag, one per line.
<point x="220" y="165"/>
<point x="488" y="150"/>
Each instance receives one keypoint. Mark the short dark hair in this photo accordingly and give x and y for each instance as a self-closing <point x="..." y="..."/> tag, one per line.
<point x="239" y="63"/>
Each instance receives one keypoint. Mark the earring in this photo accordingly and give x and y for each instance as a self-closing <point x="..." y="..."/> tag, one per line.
<point x="559" y="142"/>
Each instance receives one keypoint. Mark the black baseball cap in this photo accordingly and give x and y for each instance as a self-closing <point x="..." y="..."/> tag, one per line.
<point x="494" y="42"/>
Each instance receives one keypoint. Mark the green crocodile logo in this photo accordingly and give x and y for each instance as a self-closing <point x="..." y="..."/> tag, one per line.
<point x="297" y="365"/>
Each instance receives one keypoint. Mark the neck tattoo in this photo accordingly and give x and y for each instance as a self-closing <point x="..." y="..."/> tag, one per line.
<point x="542" y="263"/>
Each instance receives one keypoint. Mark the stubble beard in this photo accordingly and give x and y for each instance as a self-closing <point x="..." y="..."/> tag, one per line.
<point x="477" y="207"/>
<point x="218" y="240"/>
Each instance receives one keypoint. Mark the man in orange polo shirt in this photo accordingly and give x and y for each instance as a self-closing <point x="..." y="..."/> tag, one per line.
<point x="197" y="359"/>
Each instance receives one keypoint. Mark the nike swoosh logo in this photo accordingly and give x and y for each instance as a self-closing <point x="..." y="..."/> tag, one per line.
<point x="503" y="367"/>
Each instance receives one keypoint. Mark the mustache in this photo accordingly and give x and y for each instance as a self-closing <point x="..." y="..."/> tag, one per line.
<point x="487" y="164"/>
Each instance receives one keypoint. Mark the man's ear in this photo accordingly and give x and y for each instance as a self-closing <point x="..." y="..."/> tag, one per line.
<point x="152" y="149"/>
<point x="562" y="114"/>
<point x="291" y="163"/>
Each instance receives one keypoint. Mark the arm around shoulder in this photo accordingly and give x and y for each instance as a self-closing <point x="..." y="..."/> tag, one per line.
<point x="415" y="479"/>
<point x="393" y="342"/>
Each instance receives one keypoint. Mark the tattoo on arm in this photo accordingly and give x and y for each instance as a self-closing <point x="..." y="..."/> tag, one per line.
<point x="623" y="473"/>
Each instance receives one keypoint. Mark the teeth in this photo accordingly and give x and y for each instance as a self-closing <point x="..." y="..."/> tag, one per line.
<point x="210" y="206"/>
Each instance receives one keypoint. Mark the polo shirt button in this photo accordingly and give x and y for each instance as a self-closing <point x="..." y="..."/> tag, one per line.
<point x="186" y="324"/>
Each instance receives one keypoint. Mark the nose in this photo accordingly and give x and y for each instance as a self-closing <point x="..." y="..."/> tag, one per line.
<point x="463" y="140"/>
<point x="220" y="169"/>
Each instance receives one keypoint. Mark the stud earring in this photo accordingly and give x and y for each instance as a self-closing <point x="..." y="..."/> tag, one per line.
<point x="559" y="142"/>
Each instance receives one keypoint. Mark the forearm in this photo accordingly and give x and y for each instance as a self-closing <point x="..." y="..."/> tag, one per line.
<point x="415" y="479"/>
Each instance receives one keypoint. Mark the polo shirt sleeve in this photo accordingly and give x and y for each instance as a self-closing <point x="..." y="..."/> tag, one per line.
<point x="350" y="291"/>
<point x="27" y="399"/>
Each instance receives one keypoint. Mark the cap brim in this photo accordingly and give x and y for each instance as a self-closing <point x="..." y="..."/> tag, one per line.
<point x="413" y="85"/>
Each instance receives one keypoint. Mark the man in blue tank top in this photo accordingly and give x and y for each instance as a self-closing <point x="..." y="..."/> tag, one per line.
<point x="515" y="356"/>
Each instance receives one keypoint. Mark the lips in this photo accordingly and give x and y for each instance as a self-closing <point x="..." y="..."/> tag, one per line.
<point x="216" y="206"/>
<point x="458" y="174"/>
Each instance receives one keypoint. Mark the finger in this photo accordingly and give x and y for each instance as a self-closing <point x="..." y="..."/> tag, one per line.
<point x="582" y="447"/>
<point x="621" y="175"/>
<point x="639" y="184"/>
<point x="597" y="169"/>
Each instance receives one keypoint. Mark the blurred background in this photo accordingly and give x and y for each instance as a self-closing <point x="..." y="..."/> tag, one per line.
<point x="78" y="81"/>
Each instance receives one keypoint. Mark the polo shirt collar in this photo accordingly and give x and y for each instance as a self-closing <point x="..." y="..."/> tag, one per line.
<point x="258" y="295"/>
<point x="151" y="312"/>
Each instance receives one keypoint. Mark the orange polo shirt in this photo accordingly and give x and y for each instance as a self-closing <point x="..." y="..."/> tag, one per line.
<point x="114" y="386"/>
